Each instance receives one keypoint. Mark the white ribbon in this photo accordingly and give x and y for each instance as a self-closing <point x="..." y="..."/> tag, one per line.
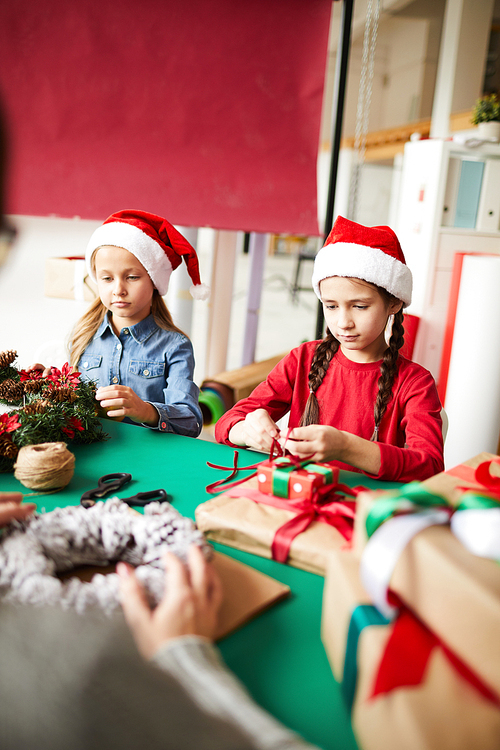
<point x="384" y="549"/>
<point x="478" y="530"/>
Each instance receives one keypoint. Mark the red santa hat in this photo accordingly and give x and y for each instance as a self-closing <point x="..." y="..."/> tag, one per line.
<point x="154" y="242"/>
<point x="369" y="253"/>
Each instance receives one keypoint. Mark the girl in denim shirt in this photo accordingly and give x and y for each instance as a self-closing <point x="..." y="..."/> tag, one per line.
<point x="127" y="342"/>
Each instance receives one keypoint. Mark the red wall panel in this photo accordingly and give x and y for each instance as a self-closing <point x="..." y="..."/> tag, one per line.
<point x="205" y="112"/>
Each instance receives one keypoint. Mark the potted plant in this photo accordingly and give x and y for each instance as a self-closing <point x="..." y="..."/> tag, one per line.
<point x="486" y="115"/>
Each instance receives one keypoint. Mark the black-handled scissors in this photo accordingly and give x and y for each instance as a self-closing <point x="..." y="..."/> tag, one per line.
<point x="143" y="498"/>
<point x="114" y="482"/>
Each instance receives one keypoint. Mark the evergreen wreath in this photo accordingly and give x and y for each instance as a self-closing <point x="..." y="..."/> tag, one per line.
<point x="58" y="408"/>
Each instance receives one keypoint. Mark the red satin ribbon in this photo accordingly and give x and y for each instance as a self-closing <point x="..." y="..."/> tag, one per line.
<point x="410" y="637"/>
<point x="275" y="452"/>
<point x="335" y="512"/>
<point x="481" y="477"/>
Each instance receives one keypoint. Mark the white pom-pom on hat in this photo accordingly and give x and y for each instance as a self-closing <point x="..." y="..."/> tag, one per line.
<point x="156" y="244"/>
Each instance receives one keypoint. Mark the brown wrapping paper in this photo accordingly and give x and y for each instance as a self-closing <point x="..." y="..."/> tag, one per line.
<point x="456" y="593"/>
<point x="242" y="523"/>
<point x="67" y="278"/>
<point x="443" y="713"/>
<point x="449" y="486"/>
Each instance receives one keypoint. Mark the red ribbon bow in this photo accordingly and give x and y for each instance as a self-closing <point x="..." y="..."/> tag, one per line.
<point x="480" y="476"/>
<point x="326" y="505"/>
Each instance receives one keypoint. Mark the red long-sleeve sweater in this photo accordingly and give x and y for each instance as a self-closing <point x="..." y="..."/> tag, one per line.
<point x="410" y="437"/>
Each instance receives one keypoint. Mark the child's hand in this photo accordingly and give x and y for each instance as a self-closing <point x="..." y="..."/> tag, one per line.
<point x="38" y="366"/>
<point x="193" y="595"/>
<point x="122" y="402"/>
<point x="320" y="442"/>
<point x="257" y="431"/>
<point x="325" y="443"/>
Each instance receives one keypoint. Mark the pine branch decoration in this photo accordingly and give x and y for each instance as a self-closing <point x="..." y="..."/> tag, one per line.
<point x="58" y="408"/>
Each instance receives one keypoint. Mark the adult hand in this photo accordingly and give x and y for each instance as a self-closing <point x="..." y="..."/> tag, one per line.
<point x="122" y="402"/>
<point x="257" y="431"/>
<point x="193" y="595"/>
<point x="11" y="508"/>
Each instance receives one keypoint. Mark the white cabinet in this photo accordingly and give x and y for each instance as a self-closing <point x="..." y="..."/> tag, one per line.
<point x="449" y="202"/>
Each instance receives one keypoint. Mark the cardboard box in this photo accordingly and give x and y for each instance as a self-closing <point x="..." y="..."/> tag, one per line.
<point x="442" y="713"/>
<point x="241" y="522"/>
<point x="67" y="278"/>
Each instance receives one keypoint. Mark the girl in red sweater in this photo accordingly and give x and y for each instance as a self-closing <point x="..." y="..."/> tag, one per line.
<point x="353" y="399"/>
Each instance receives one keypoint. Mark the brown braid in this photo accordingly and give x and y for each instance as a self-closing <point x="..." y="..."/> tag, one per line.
<point x="388" y="370"/>
<point x="323" y="355"/>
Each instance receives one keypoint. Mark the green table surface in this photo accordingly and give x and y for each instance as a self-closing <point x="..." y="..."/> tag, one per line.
<point x="279" y="655"/>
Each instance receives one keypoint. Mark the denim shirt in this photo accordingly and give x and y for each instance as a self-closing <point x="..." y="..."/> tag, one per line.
<point x="158" y="365"/>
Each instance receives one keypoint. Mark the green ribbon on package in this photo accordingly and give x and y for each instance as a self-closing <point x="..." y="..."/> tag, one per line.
<point x="284" y="467"/>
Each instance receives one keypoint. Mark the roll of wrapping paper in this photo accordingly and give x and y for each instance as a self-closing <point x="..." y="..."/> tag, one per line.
<point x="215" y="399"/>
<point x="473" y="389"/>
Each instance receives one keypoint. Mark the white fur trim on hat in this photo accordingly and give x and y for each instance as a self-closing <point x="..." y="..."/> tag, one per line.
<point x="362" y="262"/>
<point x="131" y="238"/>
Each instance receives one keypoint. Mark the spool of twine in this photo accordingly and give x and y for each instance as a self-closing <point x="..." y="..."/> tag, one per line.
<point x="48" y="466"/>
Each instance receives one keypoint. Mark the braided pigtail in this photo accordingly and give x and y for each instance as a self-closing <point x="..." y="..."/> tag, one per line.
<point x="323" y="355"/>
<point x="388" y="370"/>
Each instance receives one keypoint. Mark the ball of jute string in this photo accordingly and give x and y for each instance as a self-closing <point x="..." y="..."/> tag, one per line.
<point x="47" y="466"/>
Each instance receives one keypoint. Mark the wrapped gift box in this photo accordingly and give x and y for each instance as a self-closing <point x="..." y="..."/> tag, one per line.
<point x="456" y="593"/>
<point x="239" y="521"/>
<point x="443" y="712"/>
<point x="67" y="278"/>
<point x="280" y="478"/>
<point x="451" y="483"/>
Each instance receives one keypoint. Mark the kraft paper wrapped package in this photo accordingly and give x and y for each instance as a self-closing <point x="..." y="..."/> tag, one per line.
<point x="454" y="592"/>
<point x="235" y="518"/>
<point x="452" y="483"/>
<point x="443" y="712"/>
<point x="67" y="278"/>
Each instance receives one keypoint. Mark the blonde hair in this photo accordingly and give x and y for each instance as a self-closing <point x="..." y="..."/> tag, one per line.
<point x="88" y="325"/>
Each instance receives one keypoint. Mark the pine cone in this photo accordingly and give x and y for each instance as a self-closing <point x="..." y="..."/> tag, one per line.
<point x="11" y="391"/>
<point x="7" y="447"/>
<point x="63" y="394"/>
<point x="36" y="407"/>
<point x="7" y="358"/>
<point x="33" y="386"/>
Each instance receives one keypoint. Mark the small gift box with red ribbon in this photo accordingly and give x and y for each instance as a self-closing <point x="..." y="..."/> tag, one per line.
<point x="299" y="527"/>
<point x="402" y="683"/>
<point x="286" y="477"/>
